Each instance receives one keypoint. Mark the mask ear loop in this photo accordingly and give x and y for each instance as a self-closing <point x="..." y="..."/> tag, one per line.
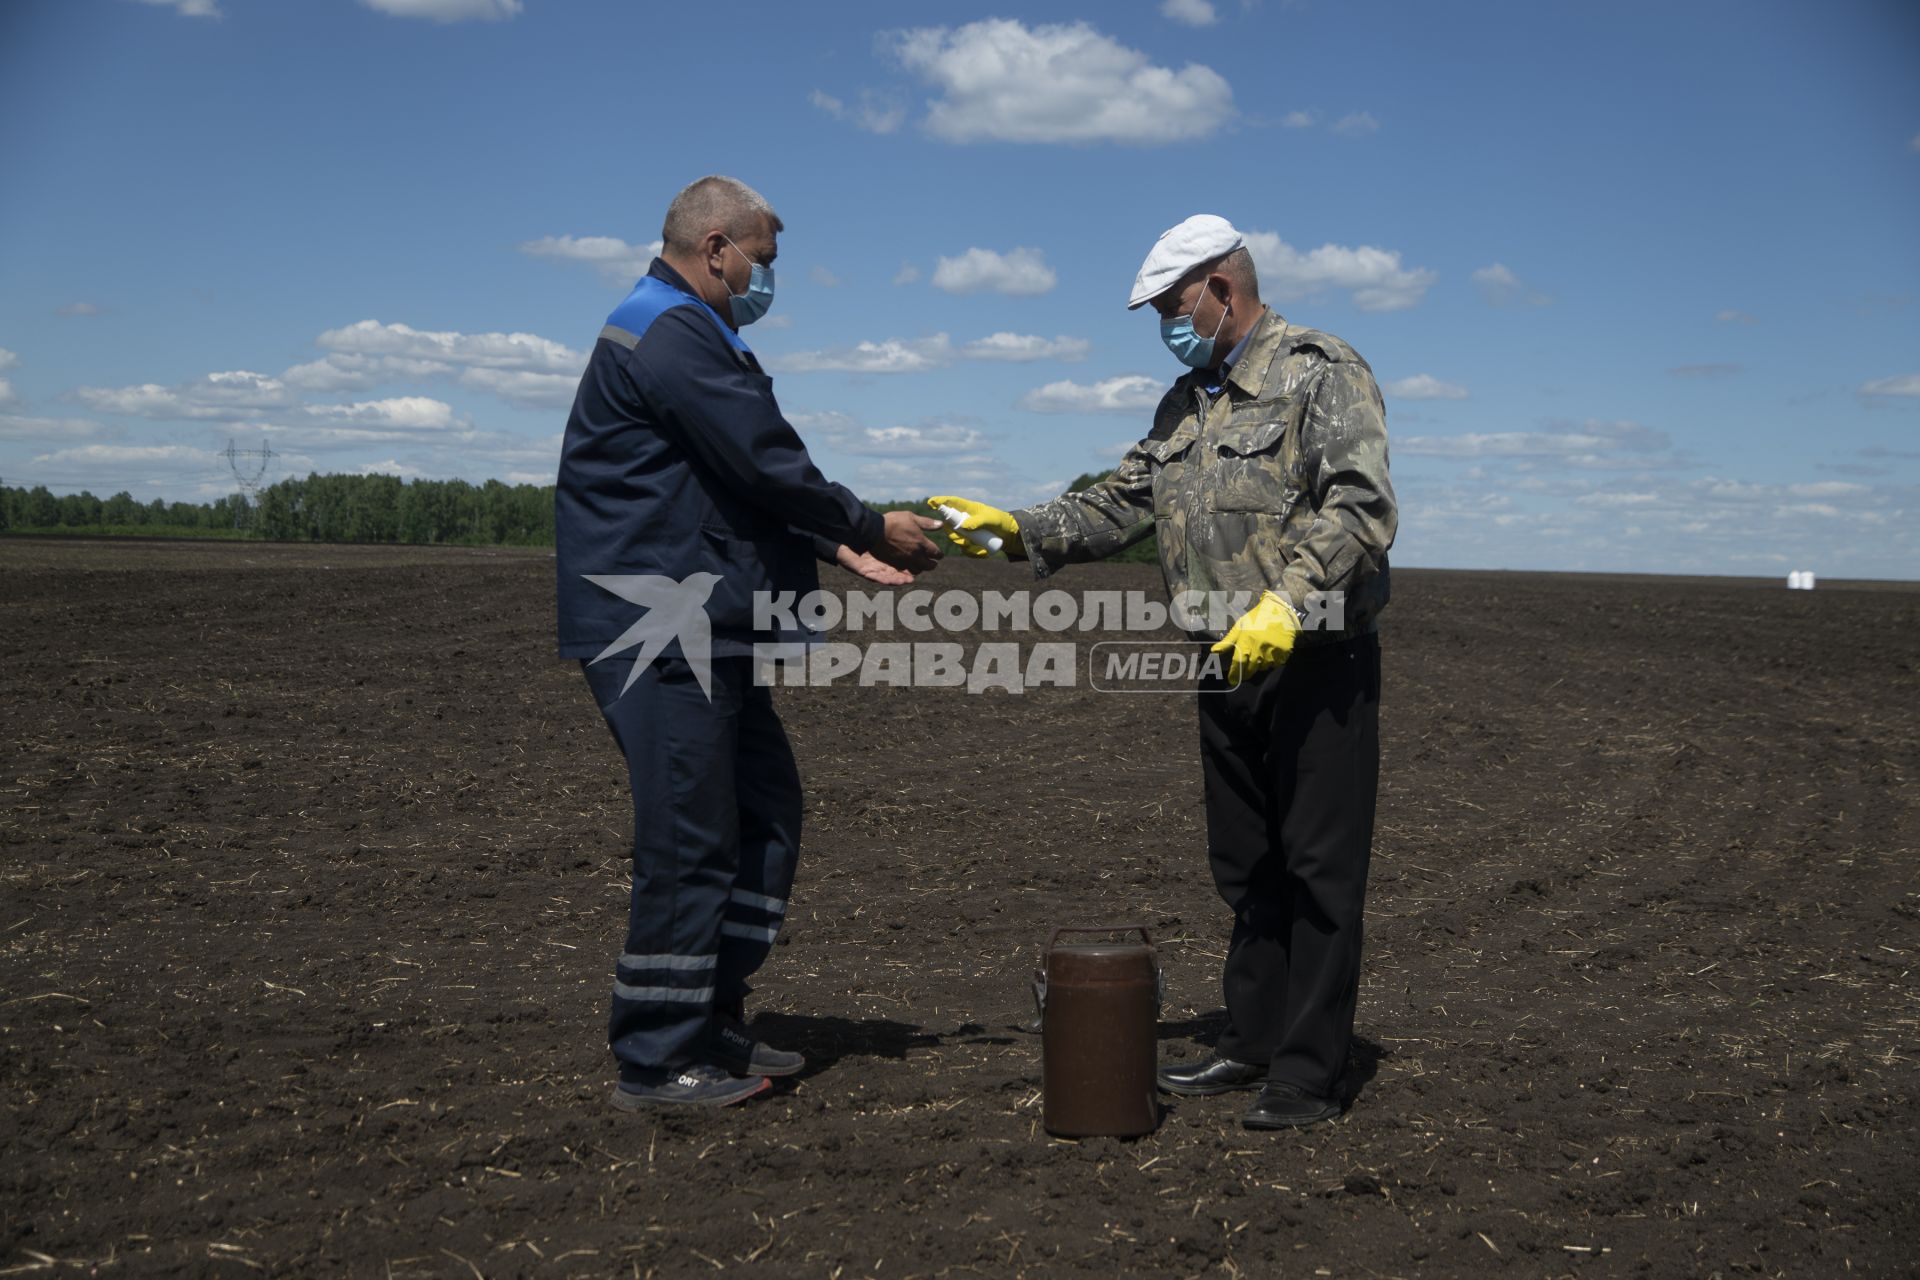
<point x="752" y="266"/>
<point x="1224" y="308"/>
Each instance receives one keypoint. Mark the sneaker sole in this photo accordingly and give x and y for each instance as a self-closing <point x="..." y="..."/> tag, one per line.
<point x="747" y="1067"/>
<point x="751" y="1069"/>
<point x="625" y="1101"/>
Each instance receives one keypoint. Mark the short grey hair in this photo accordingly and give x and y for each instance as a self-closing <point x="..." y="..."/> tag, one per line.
<point x="1238" y="267"/>
<point x="714" y="202"/>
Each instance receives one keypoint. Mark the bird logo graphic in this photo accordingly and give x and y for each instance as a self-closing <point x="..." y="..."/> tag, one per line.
<point x="675" y="610"/>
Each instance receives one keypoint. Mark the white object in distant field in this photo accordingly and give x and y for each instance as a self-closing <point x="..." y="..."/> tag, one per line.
<point x="1800" y="580"/>
<point x="978" y="537"/>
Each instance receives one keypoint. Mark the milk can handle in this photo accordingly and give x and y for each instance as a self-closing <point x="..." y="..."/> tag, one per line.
<point x="1040" y="974"/>
<point x="1093" y="928"/>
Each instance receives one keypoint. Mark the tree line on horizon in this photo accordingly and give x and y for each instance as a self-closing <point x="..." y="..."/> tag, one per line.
<point x="339" y="508"/>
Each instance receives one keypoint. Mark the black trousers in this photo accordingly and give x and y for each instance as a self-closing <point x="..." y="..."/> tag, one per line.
<point x="1291" y="761"/>
<point x="716" y="838"/>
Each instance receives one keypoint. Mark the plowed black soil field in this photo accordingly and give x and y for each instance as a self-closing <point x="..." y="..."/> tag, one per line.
<point x="313" y="883"/>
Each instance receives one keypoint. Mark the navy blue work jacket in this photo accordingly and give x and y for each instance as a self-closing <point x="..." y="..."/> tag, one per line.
<point x="677" y="460"/>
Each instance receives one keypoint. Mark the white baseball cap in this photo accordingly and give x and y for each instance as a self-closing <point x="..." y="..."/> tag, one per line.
<point x="1201" y="238"/>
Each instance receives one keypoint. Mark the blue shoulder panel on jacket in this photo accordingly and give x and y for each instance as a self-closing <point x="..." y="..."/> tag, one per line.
<point x="651" y="299"/>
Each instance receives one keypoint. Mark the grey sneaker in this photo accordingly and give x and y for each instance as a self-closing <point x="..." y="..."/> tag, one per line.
<point x="734" y="1048"/>
<point x="700" y="1085"/>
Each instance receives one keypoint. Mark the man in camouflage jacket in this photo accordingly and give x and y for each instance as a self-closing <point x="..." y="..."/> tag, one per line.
<point x="1275" y="479"/>
<point x="1265" y="478"/>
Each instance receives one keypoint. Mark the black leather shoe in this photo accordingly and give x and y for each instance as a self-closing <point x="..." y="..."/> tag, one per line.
<point x="1283" y="1106"/>
<point x="1215" y="1075"/>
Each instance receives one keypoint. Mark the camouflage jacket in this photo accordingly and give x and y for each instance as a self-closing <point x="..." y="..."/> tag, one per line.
<point x="1277" y="482"/>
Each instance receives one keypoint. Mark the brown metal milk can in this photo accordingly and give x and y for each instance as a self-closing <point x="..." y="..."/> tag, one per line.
<point x="1099" y="1027"/>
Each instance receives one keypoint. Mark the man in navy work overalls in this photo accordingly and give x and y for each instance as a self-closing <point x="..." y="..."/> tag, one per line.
<point x="682" y="494"/>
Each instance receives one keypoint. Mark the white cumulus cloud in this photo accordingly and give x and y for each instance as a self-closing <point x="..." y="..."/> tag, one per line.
<point x="414" y="413"/>
<point x="235" y="394"/>
<point x="1500" y="287"/>
<point x="525" y="387"/>
<point x="936" y="439"/>
<point x="1423" y="386"/>
<point x="1018" y="273"/>
<point x="1297" y="120"/>
<point x="190" y="8"/>
<point x="1000" y="80"/>
<point x="907" y="274"/>
<point x="1592" y="445"/>
<point x="521" y="368"/>
<point x="1374" y="277"/>
<point x="343" y="371"/>
<point x="1128" y="393"/>
<point x="447" y="10"/>
<point x="394" y="467"/>
<point x="1019" y="348"/>
<point x="480" y="350"/>
<point x="15" y="426"/>
<point x="621" y="263"/>
<point x="126" y="453"/>
<point x="874" y="112"/>
<point x="77" y="309"/>
<point x="1733" y="315"/>
<point x="890" y="355"/>
<point x="1195" y="13"/>
<point x="1904" y="385"/>
<point x="1357" y="125"/>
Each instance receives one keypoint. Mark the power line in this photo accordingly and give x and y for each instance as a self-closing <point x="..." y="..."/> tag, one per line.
<point x="249" y="467"/>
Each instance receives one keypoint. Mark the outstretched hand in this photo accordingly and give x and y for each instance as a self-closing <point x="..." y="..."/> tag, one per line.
<point x="869" y="566"/>
<point x="904" y="543"/>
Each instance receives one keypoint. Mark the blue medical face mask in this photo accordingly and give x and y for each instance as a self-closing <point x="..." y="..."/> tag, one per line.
<point x="751" y="305"/>
<point x="1188" y="347"/>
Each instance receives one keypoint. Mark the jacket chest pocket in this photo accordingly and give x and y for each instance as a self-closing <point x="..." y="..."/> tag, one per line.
<point x="1252" y="467"/>
<point x="1172" y="467"/>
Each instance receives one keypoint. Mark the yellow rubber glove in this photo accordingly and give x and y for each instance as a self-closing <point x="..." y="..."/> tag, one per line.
<point x="979" y="516"/>
<point x="1262" y="639"/>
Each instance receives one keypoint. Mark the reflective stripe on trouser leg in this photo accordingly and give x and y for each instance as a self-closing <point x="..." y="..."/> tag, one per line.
<point x="664" y="979"/>
<point x="680" y="753"/>
<point x="767" y="787"/>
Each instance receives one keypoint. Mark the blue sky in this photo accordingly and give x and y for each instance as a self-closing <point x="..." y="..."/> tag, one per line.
<point x="1642" y="281"/>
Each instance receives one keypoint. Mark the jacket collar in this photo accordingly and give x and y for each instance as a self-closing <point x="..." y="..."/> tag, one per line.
<point x="1264" y="345"/>
<point x="659" y="270"/>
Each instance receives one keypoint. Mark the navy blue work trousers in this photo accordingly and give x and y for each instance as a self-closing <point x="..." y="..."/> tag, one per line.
<point x="716" y="835"/>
